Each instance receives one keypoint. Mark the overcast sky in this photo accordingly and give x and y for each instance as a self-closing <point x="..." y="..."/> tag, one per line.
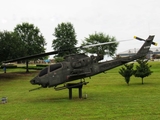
<point x="122" y="19"/>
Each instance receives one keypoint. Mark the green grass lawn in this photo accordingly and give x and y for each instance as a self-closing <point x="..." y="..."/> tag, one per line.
<point x="109" y="98"/>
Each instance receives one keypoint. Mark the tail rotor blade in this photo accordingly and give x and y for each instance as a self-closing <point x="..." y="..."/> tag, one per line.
<point x="138" y="38"/>
<point x="154" y="43"/>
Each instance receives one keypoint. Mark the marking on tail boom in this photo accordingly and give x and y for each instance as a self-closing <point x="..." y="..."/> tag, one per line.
<point x="146" y="47"/>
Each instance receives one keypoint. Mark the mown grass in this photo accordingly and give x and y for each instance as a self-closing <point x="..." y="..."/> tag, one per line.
<point x="109" y="97"/>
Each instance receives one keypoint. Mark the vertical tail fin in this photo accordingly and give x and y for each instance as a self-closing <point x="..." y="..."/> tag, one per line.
<point x="145" y="47"/>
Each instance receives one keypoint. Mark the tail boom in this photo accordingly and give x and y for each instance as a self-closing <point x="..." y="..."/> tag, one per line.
<point x="143" y="51"/>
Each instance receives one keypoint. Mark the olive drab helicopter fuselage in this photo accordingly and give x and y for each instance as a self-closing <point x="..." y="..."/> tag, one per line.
<point x="73" y="67"/>
<point x="80" y="66"/>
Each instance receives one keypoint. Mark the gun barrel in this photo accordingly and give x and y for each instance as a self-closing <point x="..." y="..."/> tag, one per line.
<point x="35" y="89"/>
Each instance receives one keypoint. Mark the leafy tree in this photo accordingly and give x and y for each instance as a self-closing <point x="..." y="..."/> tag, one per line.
<point x="32" y="38"/>
<point x="65" y="38"/>
<point x="142" y="69"/>
<point x="127" y="71"/>
<point x="11" y="47"/>
<point x="100" y="38"/>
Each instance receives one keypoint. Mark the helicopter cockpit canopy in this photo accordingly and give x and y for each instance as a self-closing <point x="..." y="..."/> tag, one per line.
<point x="50" y="68"/>
<point x="55" y="67"/>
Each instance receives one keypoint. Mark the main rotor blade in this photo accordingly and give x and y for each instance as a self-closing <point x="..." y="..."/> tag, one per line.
<point x="58" y="51"/>
<point x="32" y="56"/>
<point x="105" y="43"/>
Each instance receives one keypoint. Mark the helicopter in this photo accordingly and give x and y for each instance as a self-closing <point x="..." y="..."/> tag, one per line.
<point x="80" y="66"/>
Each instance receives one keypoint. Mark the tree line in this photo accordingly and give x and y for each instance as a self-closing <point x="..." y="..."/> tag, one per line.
<point x="27" y="39"/>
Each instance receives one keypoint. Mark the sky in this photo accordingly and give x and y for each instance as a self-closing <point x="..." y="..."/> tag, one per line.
<point x="122" y="19"/>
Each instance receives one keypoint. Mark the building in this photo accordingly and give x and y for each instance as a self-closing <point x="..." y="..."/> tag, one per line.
<point x="131" y="52"/>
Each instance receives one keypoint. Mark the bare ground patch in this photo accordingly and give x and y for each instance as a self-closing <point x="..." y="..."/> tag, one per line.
<point x="14" y="75"/>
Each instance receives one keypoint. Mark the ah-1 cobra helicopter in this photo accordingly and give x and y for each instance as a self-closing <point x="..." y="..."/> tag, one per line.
<point x="80" y="66"/>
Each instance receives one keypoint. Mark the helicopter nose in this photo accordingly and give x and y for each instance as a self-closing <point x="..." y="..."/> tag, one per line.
<point x="35" y="81"/>
<point x="32" y="81"/>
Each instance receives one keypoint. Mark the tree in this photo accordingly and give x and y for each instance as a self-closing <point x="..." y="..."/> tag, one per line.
<point x="127" y="71"/>
<point x="11" y="47"/>
<point x="32" y="38"/>
<point x="65" y="38"/>
<point x="100" y="38"/>
<point x="142" y="69"/>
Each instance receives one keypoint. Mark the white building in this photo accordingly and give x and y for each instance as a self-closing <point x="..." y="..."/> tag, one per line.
<point x="132" y="52"/>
